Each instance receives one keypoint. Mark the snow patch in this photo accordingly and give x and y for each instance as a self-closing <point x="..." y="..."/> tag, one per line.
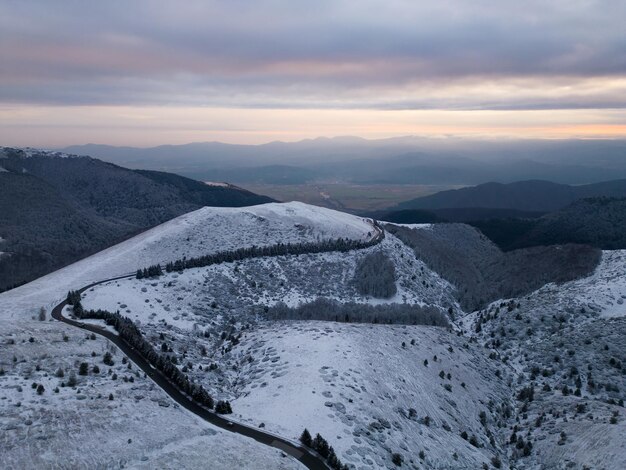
<point x="413" y="226"/>
<point x="604" y="290"/>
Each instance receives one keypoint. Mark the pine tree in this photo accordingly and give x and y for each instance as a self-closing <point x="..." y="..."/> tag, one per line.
<point x="396" y="459"/>
<point x="71" y="382"/>
<point x="305" y="438"/>
<point x="223" y="407"/>
<point x="83" y="369"/>
<point x="321" y="445"/>
<point x="108" y="359"/>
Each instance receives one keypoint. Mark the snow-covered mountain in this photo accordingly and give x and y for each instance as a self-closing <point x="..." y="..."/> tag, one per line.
<point x="426" y="396"/>
<point x="56" y="208"/>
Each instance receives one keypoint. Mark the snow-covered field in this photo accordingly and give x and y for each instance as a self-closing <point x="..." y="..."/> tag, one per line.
<point x="80" y="427"/>
<point x="353" y="383"/>
<point x="367" y="390"/>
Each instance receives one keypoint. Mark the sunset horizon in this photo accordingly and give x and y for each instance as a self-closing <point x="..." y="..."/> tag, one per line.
<point x="150" y="74"/>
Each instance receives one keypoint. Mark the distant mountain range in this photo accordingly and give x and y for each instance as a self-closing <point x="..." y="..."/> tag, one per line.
<point x="56" y="209"/>
<point x="402" y="160"/>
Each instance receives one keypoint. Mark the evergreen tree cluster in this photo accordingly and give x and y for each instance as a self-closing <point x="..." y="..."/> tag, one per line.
<point x="375" y="275"/>
<point x="321" y="446"/>
<point x="351" y="312"/>
<point x="280" y="249"/>
<point x="73" y="297"/>
<point x="223" y="407"/>
<point x="151" y="271"/>
<point x="130" y="333"/>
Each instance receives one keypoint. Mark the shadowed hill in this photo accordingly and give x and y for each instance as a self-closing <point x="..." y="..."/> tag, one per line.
<point x="482" y="273"/>
<point x="57" y="209"/>
<point x="597" y="222"/>
<point x="523" y="195"/>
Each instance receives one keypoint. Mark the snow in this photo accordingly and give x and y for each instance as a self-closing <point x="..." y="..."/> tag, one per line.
<point x="413" y="226"/>
<point x="81" y="428"/>
<point x="574" y="334"/>
<point x="217" y="183"/>
<point x="338" y="379"/>
<point x="183" y="299"/>
<point x="353" y="383"/>
<point x="207" y="230"/>
<point x="35" y="434"/>
<point x="604" y="291"/>
<point x="28" y="152"/>
<point x="3" y="170"/>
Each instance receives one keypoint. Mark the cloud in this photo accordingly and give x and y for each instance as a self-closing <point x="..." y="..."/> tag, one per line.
<point x="327" y="54"/>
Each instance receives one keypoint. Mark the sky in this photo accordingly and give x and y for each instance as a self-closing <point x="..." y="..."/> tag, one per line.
<point x="152" y="72"/>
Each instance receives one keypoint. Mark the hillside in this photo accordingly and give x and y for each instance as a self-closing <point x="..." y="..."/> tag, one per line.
<point x="377" y="388"/>
<point x="56" y="209"/>
<point x="483" y="273"/>
<point x="598" y="222"/>
<point x="567" y="344"/>
<point x="541" y="196"/>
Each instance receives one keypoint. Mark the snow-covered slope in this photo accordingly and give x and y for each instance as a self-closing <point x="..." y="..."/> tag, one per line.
<point x="35" y="428"/>
<point x="81" y="427"/>
<point x="569" y="342"/>
<point x="184" y="299"/>
<point x="437" y="397"/>
<point x="367" y="389"/>
<point x="604" y="291"/>
<point x="207" y="230"/>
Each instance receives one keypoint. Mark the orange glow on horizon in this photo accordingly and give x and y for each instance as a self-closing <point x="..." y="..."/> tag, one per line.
<point x="144" y="126"/>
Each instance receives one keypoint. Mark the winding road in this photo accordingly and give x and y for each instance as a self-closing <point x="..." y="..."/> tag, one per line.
<point x="307" y="457"/>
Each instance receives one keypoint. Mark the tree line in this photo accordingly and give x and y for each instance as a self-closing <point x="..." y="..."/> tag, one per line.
<point x="280" y="249"/>
<point x="130" y="333"/>
<point x="321" y="446"/>
<point x="151" y="271"/>
<point x="351" y="312"/>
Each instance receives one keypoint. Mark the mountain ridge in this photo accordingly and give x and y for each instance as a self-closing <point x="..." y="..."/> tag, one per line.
<point x="529" y="195"/>
<point x="55" y="209"/>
